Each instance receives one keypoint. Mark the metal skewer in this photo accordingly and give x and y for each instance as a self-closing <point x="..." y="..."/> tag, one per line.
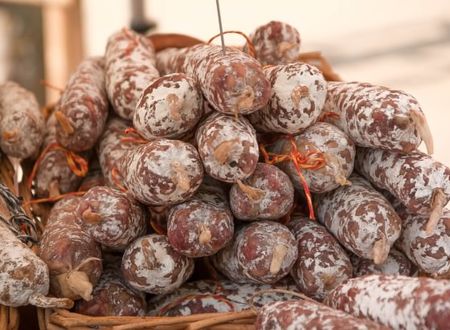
<point x="220" y="27"/>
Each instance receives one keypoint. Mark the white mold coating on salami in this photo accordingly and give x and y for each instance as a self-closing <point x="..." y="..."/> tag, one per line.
<point x="276" y="43"/>
<point x="113" y="218"/>
<point x="22" y="124"/>
<point x="298" y="95"/>
<point x="233" y="83"/>
<point x="84" y="104"/>
<point x="337" y="149"/>
<point x="150" y="264"/>
<point x="411" y="178"/>
<point x="302" y="314"/>
<point x="322" y="264"/>
<point x="169" y="107"/>
<point x="261" y="252"/>
<point x="201" y="226"/>
<point x="396" y="264"/>
<point x="65" y="247"/>
<point x="162" y="172"/>
<point x="216" y="296"/>
<point x="374" y="116"/>
<point x="111" y="148"/>
<point x="22" y="273"/>
<point x="429" y="251"/>
<point x="399" y="302"/>
<point x="360" y="217"/>
<point x="130" y="68"/>
<point x="275" y="195"/>
<point x="227" y="147"/>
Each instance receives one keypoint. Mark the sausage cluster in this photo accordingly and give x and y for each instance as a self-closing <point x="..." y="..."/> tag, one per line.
<point x="189" y="179"/>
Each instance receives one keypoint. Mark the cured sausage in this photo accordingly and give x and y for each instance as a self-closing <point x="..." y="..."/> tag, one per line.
<point x="150" y="264"/>
<point x="130" y="68"/>
<point x="22" y="125"/>
<point x="111" y="148"/>
<point x="276" y="43"/>
<point x="111" y="217"/>
<point x="302" y="314"/>
<point x="24" y="278"/>
<point x="377" y="117"/>
<point x="72" y="256"/>
<point x="416" y="180"/>
<point x="396" y="263"/>
<point x="162" y="172"/>
<point x="169" y="107"/>
<point x="233" y="83"/>
<point x="227" y="147"/>
<point x="361" y="219"/>
<point x="333" y="146"/>
<point x="261" y="252"/>
<point x="398" y="302"/>
<point x="298" y="95"/>
<point x="203" y="225"/>
<point x="82" y="111"/>
<point x="322" y="264"/>
<point x="271" y="196"/>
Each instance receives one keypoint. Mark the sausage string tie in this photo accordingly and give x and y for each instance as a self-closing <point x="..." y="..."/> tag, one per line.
<point x="53" y="198"/>
<point x="77" y="164"/>
<point x="316" y="58"/>
<point x="250" y="47"/>
<point x="311" y="160"/>
<point x="133" y="137"/>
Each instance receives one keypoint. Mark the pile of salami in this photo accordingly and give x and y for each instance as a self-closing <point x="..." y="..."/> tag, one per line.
<point x="196" y="179"/>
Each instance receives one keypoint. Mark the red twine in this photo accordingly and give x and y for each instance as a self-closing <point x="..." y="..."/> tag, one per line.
<point x="311" y="160"/>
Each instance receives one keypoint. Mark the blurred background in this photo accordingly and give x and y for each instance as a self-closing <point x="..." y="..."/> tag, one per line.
<point x="403" y="44"/>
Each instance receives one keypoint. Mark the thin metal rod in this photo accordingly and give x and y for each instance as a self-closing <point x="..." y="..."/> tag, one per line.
<point x="220" y="26"/>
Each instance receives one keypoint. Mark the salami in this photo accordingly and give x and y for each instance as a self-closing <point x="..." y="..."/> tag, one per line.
<point x="396" y="263"/>
<point x="54" y="176"/>
<point x="276" y="43"/>
<point x="302" y="314"/>
<point x="94" y="177"/>
<point x="322" y="263"/>
<point x="261" y="252"/>
<point x="430" y="251"/>
<point x="227" y="147"/>
<point x="130" y="68"/>
<point x="162" y="172"/>
<point x="233" y="83"/>
<point x="24" y="278"/>
<point x="111" y="217"/>
<point x="298" y="95"/>
<point x="72" y="256"/>
<point x="271" y="196"/>
<point x="361" y="219"/>
<point x="22" y="125"/>
<point x="398" y="302"/>
<point x="111" y="148"/>
<point x="169" y="107"/>
<point x="378" y="117"/>
<point x="215" y="297"/>
<point x="111" y="297"/>
<point x="416" y="180"/>
<point x="334" y="146"/>
<point x="82" y="111"/>
<point x="150" y="264"/>
<point x="203" y="225"/>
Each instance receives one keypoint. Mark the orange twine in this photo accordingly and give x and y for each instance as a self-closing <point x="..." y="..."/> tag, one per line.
<point x="78" y="165"/>
<point x="157" y="227"/>
<point x="249" y="44"/>
<point x="115" y="178"/>
<point x="137" y="138"/>
<point x="311" y="160"/>
<point x="54" y="198"/>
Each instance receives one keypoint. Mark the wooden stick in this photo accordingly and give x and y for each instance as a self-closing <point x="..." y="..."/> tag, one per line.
<point x="220" y="319"/>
